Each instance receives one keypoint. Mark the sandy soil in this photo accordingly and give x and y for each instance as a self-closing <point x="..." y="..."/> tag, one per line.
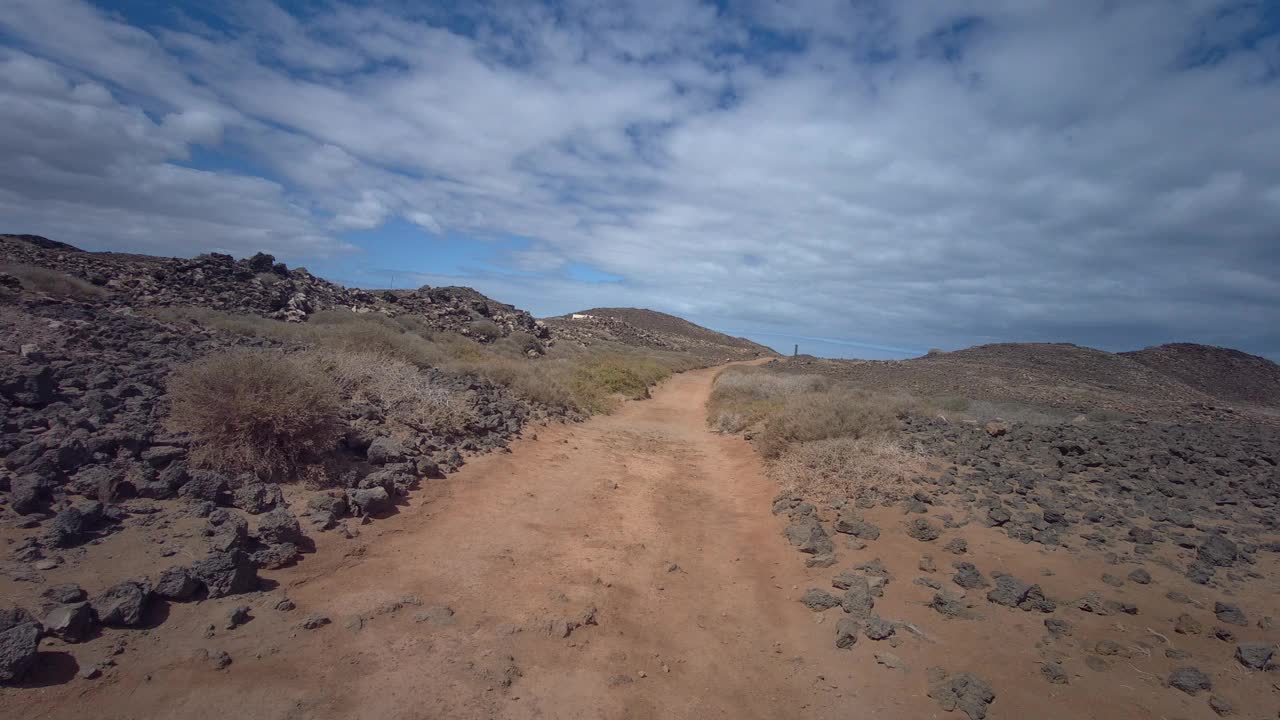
<point x="664" y="529"/>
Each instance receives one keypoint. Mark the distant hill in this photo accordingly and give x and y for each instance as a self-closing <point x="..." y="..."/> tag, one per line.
<point x="1057" y="376"/>
<point x="1219" y="372"/>
<point x="649" y="328"/>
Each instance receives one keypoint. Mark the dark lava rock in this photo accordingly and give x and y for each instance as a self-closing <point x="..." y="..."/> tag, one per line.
<point x="1140" y="576"/>
<point x="257" y="498"/>
<point x="314" y="621"/>
<point x="878" y="629"/>
<point x="847" y="632"/>
<point x="274" y="557"/>
<point x="64" y="594"/>
<point x="280" y="526"/>
<point x="1219" y="705"/>
<point x="1057" y="627"/>
<point x="18" y="645"/>
<point x="1054" y="673"/>
<point x="850" y="524"/>
<point x="370" y="501"/>
<point x="858" y="600"/>
<point x="226" y="573"/>
<point x="385" y="450"/>
<point x="237" y="616"/>
<point x="1190" y="680"/>
<point x="1187" y="625"/>
<point x="819" y="600"/>
<point x="948" y="605"/>
<point x="961" y="691"/>
<point x="177" y="583"/>
<point x="1141" y="536"/>
<point x="1255" y="655"/>
<point x="70" y="623"/>
<point x="923" y="530"/>
<point x="204" y="485"/>
<point x="1230" y="614"/>
<point x="957" y="545"/>
<point x="808" y="536"/>
<point x="67" y="529"/>
<point x="122" y="605"/>
<point x="1112" y="580"/>
<point x="846" y="578"/>
<point x="15" y="616"/>
<point x="967" y="576"/>
<point x="335" y="505"/>
<point x="1218" y="551"/>
<point x="1009" y="591"/>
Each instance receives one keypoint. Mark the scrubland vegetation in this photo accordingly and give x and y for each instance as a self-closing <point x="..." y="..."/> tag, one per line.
<point x="259" y="412"/>
<point x="265" y="411"/>
<point x="38" y="279"/>
<point x="822" y="438"/>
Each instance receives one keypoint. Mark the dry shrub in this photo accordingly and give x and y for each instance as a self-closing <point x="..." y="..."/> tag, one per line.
<point x="260" y="412"/>
<point x="546" y="382"/>
<point x="830" y="414"/>
<point x="847" y="467"/>
<point x="568" y="379"/>
<point x="484" y="330"/>
<point x="52" y="282"/>
<point x="403" y="391"/>
<point x="744" y="395"/>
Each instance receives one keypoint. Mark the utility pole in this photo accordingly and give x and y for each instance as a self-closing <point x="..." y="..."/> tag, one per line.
<point x="797" y="351"/>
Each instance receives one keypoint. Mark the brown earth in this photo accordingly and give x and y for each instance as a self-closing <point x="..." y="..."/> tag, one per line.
<point x="664" y="529"/>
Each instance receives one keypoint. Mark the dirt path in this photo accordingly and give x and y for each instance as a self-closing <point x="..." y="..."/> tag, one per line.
<point x="664" y="529"/>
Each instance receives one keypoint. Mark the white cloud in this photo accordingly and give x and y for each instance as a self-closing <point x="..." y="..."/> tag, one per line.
<point x="915" y="173"/>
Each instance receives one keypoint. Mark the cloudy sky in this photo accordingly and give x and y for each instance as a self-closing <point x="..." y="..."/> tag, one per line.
<point x="867" y="178"/>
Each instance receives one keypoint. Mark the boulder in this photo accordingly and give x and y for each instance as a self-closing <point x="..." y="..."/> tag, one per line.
<point x="808" y="536"/>
<point x="204" y="485"/>
<point x="923" y="530"/>
<point x="385" y="450"/>
<point x="177" y="583"/>
<point x="1218" y="551"/>
<point x="369" y="501"/>
<point x="1009" y="591"/>
<point x="857" y="599"/>
<point x="226" y="573"/>
<point x="1190" y="680"/>
<point x="256" y="498"/>
<point x="276" y="556"/>
<point x="122" y="605"/>
<point x="847" y="630"/>
<point x="63" y="594"/>
<point x="967" y="576"/>
<point x="70" y="623"/>
<point x="962" y="691"/>
<point x="1255" y="655"/>
<point x="280" y="526"/>
<point x="18" y="647"/>
<point x="818" y="600"/>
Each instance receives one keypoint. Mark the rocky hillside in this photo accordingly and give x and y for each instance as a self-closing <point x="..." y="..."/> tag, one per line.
<point x="91" y="345"/>
<point x="1218" y="372"/>
<point x="1058" y="376"/>
<point x="652" y="329"/>
<point x="257" y="286"/>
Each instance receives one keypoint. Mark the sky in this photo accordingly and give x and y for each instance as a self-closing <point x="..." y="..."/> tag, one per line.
<point x="866" y="178"/>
